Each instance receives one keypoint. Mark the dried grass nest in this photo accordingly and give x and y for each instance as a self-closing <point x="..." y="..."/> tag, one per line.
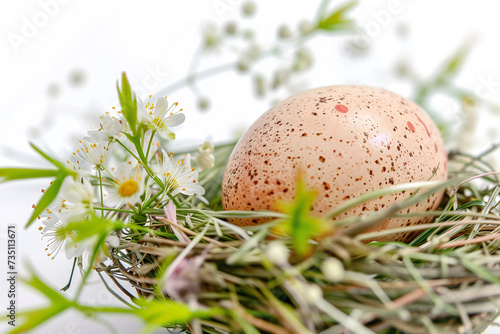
<point x="446" y="280"/>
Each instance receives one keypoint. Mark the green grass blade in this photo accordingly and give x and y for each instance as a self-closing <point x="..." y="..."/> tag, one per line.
<point x="53" y="161"/>
<point x="9" y="174"/>
<point x="479" y="271"/>
<point x="128" y="102"/>
<point x="337" y="16"/>
<point x="48" y="197"/>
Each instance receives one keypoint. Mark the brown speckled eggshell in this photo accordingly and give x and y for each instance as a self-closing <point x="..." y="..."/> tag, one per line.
<point x="349" y="140"/>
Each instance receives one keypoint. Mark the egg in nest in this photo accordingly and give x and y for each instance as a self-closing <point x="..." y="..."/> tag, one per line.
<point x="349" y="141"/>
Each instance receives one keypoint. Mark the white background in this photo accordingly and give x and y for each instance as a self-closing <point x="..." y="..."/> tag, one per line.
<point x="103" y="38"/>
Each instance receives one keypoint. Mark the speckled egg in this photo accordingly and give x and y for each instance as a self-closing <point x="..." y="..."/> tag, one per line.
<point x="349" y="141"/>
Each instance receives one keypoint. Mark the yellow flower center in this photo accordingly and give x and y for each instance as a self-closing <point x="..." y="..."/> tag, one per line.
<point x="158" y="122"/>
<point x="128" y="188"/>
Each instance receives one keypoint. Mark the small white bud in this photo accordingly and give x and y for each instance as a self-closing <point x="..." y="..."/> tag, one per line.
<point x="231" y="28"/>
<point x="205" y="157"/>
<point x="243" y="65"/>
<point x="312" y="293"/>
<point x="53" y="90"/>
<point x="248" y="8"/>
<point x="284" y="32"/>
<point x="303" y="59"/>
<point x="212" y="39"/>
<point x="248" y="34"/>
<point x="203" y="103"/>
<point x="280" y="77"/>
<point x="77" y="77"/>
<point x="253" y="51"/>
<point x="305" y="27"/>
<point x="277" y="252"/>
<point x="260" y="84"/>
<point x="333" y="269"/>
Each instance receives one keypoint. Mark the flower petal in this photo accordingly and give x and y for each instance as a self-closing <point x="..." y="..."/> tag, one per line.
<point x="170" y="211"/>
<point x="175" y="119"/>
<point x="161" y="107"/>
<point x="192" y="189"/>
<point x="73" y="249"/>
<point x="165" y="133"/>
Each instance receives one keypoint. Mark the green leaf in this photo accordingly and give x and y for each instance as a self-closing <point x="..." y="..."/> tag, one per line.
<point x="14" y="173"/>
<point x="128" y="102"/>
<point x="49" y="196"/>
<point x="9" y="174"/>
<point x="53" y="161"/>
<point x="92" y="227"/>
<point x="452" y="65"/>
<point x="337" y="20"/>
<point x="300" y="224"/>
<point x="162" y="313"/>
<point x="34" y="318"/>
<point x="53" y="295"/>
<point x="245" y="326"/>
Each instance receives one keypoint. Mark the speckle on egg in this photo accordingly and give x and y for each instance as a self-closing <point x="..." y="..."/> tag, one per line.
<point x="349" y="140"/>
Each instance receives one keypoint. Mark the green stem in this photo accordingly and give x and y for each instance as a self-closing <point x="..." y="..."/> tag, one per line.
<point x="92" y="259"/>
<point x="66" y="287"/>
<point x="100" y="189"/>
<point x="111" y="209"/>
<point x="102" y="309"/>
<point x="196" y="76"/>
<point x="126" y="149"/>
<point x="115" y="294"/>
<point x="149" y="144"/>
<point x="381" y="192"/>
<point x="216" y="147"/>
<point x="193" y="66"/>
<point x="152" y="199"/>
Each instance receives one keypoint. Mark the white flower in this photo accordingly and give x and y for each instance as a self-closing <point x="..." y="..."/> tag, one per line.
<point x="50" y="213"/>
<point x="81" y="172"/>
<point x="112" y="240"/>
<point x="160" y="117"/>
<point x="178" y="176"/>
<point x="110" y="127"/>
<point x="74" y="201"/>
<point x="60" y="236"/>
<point x="78" y="206"/>
<point x="77" y="198"/>
<point x="205" y="157"/>
<point x="92" y="151"/>
<point x="128" y="184"/>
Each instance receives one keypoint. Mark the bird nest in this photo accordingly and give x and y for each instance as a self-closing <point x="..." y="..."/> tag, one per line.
<point x="445" y="280"/>
<point x="194" y="271"/>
